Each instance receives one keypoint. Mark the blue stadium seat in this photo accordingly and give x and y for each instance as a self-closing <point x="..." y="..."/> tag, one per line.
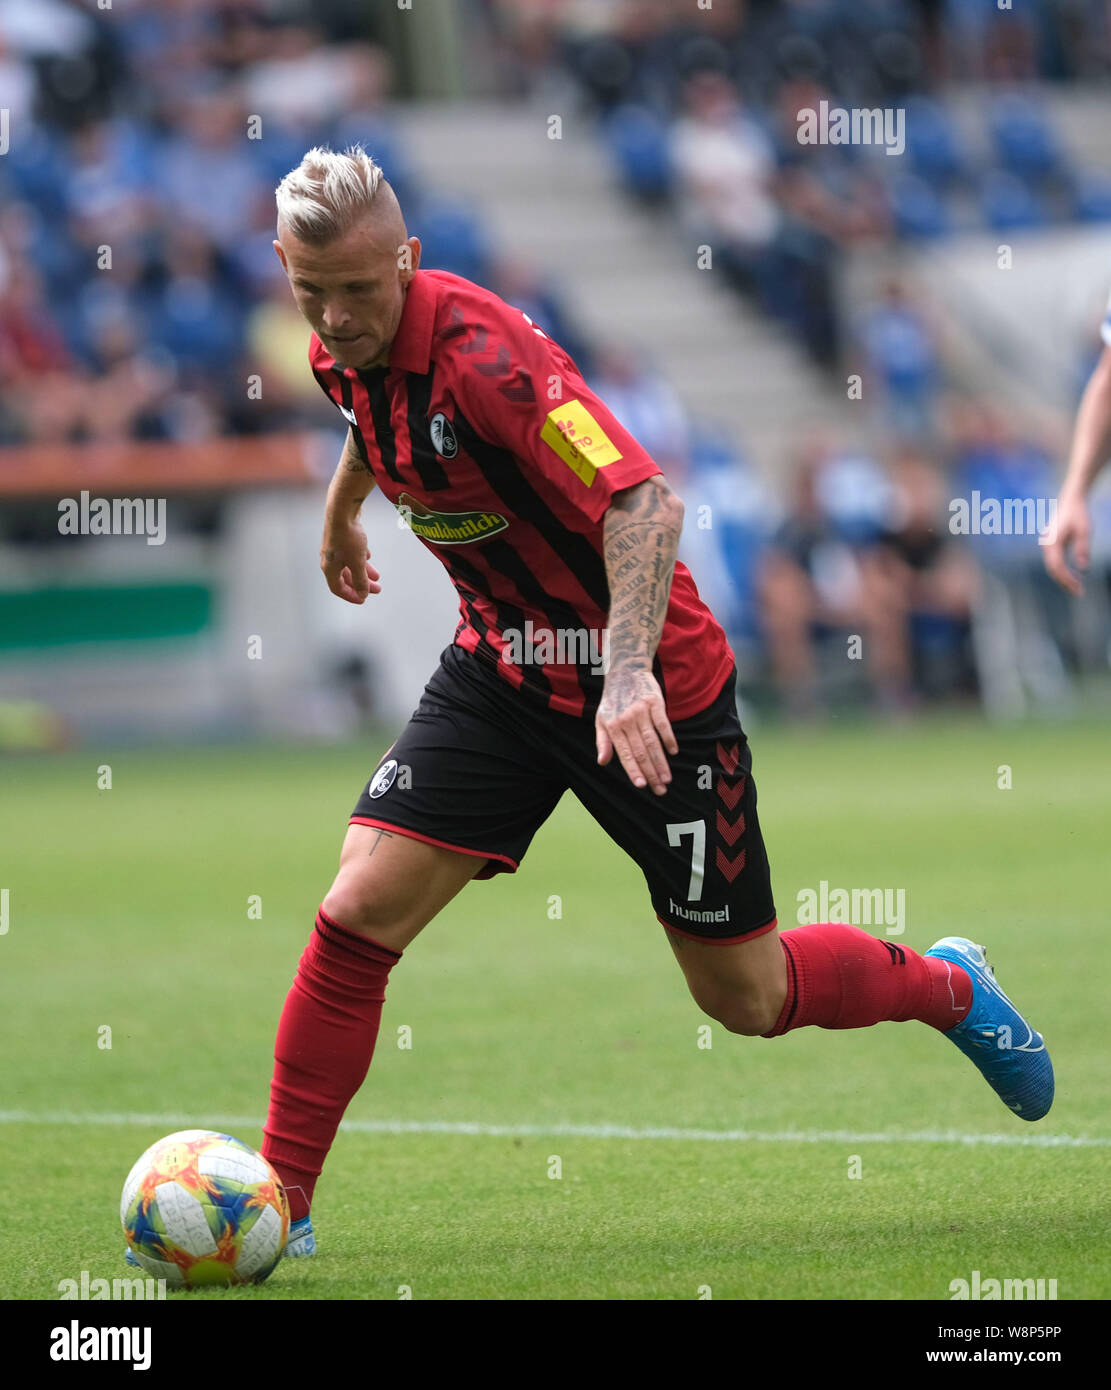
<point x="1008" y="204"/>
<point x="710" y="447"/>
<point x="1093" y="199"/>
<point x="39" y="171"/>
<point x="451" y="238"/>
<point x="933" y="144"/>
<point x="280" y="152"/>
<point x="638" y="143"/>
<point x="61" y="263"/>
<point x="1025" y="142"/>
<point x="918" y="210"/>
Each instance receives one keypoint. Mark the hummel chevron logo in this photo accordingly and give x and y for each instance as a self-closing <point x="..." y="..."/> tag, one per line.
<point x="730" y="868"/>
<point x="730" y="833"/>
<point x="523" y="392"/>
<point x="519" y="387"/>
<point x="478" y="342"/>
<point x="498" y="367"/>
<point x="728" y="757"/>
<point x="730" y="795"/>
<point x="458" y="324"/>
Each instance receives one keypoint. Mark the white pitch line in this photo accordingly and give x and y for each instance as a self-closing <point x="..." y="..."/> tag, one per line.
<point x="569" y="1131"/>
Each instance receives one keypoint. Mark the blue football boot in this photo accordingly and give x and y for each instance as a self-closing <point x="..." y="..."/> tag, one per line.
<point x="1011" y="1056"/>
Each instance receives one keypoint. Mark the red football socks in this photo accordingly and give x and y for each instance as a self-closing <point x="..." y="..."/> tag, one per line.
<point x="837" y="977"/>
<point x="841" y="977"/>
<point x="325" y="1043"/>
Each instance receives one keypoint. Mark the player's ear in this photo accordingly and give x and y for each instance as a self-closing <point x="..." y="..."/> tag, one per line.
<point x="281" y="256"/>
<point x="413" y="244"/>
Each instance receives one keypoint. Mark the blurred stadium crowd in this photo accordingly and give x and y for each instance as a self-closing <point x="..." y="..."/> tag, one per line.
<point x="700" y="108"/>
<point x="131" y="152"/>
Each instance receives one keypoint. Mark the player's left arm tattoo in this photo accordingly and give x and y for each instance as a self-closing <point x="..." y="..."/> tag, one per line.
<point x="641" y="538"/>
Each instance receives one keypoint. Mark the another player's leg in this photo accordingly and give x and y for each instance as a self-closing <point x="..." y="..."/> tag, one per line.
<point x="389" y="886"/>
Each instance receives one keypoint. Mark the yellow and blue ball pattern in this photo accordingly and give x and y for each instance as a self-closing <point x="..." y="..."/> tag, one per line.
<point x="200" y="1207"/>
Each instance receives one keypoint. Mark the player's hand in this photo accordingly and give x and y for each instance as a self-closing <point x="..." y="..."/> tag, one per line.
<point x="632" y="720"/>
<point x="1074" y="528"/>
<point x="345" y="560"/>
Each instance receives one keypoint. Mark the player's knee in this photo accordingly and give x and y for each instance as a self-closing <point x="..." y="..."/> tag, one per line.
<point x="750" y="1013"/>
<point x="362" y="903"/>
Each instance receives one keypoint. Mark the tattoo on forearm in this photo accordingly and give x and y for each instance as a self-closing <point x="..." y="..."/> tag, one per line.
<point x="623" y="610"/>
<point x="619" y="545"/>
<point x="627" y="567"/>
<point x="351" y="459"/>
<point x="641" y="539"/>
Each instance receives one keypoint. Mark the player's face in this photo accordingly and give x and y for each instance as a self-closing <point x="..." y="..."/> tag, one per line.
<point x="351" y="290"/>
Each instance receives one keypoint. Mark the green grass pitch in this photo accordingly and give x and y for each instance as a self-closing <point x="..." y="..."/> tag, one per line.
<point x="536" y="1039"/>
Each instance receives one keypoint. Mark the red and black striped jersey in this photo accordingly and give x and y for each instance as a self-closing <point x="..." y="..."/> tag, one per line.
<point x="502" y="461"/>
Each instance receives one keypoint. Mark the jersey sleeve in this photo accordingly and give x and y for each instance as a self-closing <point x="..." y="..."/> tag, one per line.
<point x="326" y="380"/>
<point x="522" y="392"/>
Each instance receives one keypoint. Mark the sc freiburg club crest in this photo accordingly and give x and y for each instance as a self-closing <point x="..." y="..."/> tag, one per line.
<point x="383" y="779"/>
<point x="443" y="436"/>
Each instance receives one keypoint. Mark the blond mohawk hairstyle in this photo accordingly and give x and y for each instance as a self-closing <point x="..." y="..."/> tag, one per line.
<point x="327" y="193"/>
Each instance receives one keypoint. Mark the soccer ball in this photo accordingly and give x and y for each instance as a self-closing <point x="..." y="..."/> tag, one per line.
<point x="203" y="1208"/>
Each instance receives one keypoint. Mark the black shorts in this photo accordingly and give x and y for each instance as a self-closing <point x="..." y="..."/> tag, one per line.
<point x="481" y="766"/>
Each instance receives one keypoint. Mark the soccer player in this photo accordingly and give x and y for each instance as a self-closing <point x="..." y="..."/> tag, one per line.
<point x="584" y="659"/>
<point x="1091" y="446"/>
